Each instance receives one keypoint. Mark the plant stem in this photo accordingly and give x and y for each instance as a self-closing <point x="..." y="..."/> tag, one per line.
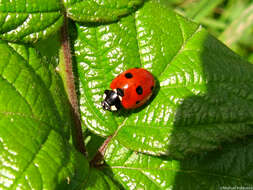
<point x="99" y="157"/>
<point x="68" y="76"/>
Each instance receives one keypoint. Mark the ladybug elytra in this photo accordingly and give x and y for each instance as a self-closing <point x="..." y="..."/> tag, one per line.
<point x="130" y="89"/>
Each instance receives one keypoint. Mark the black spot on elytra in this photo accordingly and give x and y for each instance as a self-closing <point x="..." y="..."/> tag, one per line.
<point x="139" y="90"/>
<point x="137" y="102"/>
<point x="128" y="75"/>
<point x="152" y="87"/>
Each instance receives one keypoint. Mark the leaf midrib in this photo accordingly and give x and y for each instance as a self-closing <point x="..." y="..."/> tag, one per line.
<point x="181" y="49"/>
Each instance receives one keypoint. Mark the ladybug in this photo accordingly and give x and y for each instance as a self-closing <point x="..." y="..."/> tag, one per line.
<point x="130" y="89"/>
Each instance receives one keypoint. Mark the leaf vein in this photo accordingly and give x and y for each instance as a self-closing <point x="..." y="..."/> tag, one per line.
<point x="181" y="49"/>
<point x="32" y="160"/>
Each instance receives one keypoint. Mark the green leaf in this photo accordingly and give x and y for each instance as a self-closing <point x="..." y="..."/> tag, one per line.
<point x="100" y="11"/>
<point x="229" y="167"/>
<point x="199" y="101"/>
<point x="92" y="144"/>
<point x="139" y="171"/>
<point x="28" y="21"/>
<point x="98" y="180"/>
<point x="45" y="64"/>
<point x="34" y="148"/>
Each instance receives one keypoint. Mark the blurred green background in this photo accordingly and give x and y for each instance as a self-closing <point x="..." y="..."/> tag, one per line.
<point x="231" y="21"/>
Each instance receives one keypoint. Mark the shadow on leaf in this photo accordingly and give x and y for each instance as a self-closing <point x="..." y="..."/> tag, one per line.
<point x="210" y="130"/>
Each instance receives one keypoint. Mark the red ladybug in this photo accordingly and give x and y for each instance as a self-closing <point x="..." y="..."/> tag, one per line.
<point x="131" y="89"/>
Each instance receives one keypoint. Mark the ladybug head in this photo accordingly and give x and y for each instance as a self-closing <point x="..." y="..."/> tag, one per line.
<point x="112" y="99"/>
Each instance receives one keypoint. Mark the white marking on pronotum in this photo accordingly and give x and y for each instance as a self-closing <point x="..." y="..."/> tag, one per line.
<point x="104" y="96"/>
<point x="113" y="108"/>
<point x="120" y="98"/>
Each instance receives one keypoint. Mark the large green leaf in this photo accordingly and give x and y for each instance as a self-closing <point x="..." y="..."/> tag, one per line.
<point x="203" y="98"/>
<point x="29" y="21"/>
<point x="34" y="148"/>
<point x="98" y="180"/>
<point x="44" y="64"/>
<point x="100" y="11"/>
<point x="139" y="171"/>
<point x="204" y="90"/>
<point x="230" y="167"/>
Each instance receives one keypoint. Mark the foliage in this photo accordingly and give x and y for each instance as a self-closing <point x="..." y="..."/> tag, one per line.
<point x="195" y="131"/>
<point x="228" y="20"/>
